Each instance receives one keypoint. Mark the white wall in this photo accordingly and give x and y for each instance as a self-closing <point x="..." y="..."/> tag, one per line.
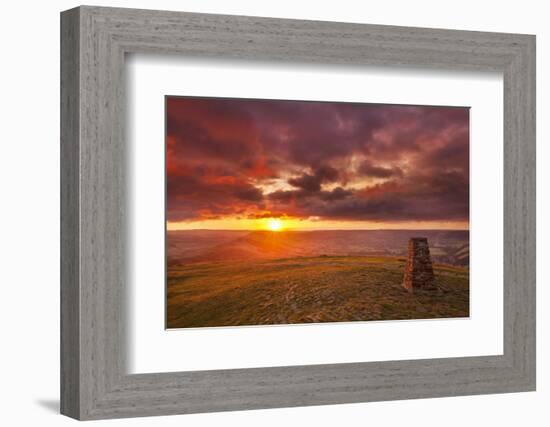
<point x="29" y="226"/>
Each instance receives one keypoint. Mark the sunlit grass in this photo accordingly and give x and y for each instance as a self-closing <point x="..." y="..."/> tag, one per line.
<point x="307" y="290"/>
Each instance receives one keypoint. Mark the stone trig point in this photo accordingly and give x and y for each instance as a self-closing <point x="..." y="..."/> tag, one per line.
<point x="419" y="273"/>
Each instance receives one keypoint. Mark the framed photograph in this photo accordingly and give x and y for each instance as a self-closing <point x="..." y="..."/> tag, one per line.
<point x="261" y="213"/>
<point x="289" y="212"/>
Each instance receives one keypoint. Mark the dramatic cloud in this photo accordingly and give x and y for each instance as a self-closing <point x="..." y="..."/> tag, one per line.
<point x="340" y="161"/>
<point x="368" y="169"/>
<point x="313" y="182"/>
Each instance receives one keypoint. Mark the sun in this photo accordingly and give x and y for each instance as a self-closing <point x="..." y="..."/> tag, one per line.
<point x="275" y="224"/>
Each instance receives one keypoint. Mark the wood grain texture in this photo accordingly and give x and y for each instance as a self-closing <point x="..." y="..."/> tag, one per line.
<point x="95" y="383"/>
<point x="70" y="314"/>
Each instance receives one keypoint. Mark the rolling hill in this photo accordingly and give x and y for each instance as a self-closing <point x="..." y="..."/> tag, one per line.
<point x="185" y="247"/>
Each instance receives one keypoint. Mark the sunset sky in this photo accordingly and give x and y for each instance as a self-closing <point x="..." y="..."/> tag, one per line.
<point x="266" y="164"/>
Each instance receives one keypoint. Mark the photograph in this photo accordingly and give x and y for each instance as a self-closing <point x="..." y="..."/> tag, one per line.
<point x="295" y="212"/>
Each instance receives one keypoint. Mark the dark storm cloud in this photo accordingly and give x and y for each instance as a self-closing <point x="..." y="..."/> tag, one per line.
<point x="306" y="159"/>
<point x="337" y="194"/>
<point x="368" y="169"/>
<point x="313" y="182"/>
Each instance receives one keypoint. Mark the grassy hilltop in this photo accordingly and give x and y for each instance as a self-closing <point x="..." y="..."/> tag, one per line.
<point x="307" y="290"/>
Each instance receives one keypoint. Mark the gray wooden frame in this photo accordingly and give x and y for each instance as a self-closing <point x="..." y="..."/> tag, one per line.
<point x="94" y="382"/>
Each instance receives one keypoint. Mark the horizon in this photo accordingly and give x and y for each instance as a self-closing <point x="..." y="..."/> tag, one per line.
<point x="320" y="229"/>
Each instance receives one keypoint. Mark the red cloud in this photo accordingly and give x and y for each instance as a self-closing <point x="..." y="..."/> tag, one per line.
<point x="223" y="156"/>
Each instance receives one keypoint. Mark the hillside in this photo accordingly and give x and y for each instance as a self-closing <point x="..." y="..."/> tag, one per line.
<point x="307" y="290"/>
<point x="185" y="247"/>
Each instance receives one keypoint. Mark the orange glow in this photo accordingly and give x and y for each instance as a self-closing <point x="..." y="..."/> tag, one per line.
<point x="275" y="224"/>
<point x="295" y="224"/>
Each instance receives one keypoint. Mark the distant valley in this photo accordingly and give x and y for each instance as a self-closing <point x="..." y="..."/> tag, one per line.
<point x="197" y="246"/>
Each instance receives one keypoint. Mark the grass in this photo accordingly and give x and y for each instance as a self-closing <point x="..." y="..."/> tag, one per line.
<point x="308" y="290"/>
